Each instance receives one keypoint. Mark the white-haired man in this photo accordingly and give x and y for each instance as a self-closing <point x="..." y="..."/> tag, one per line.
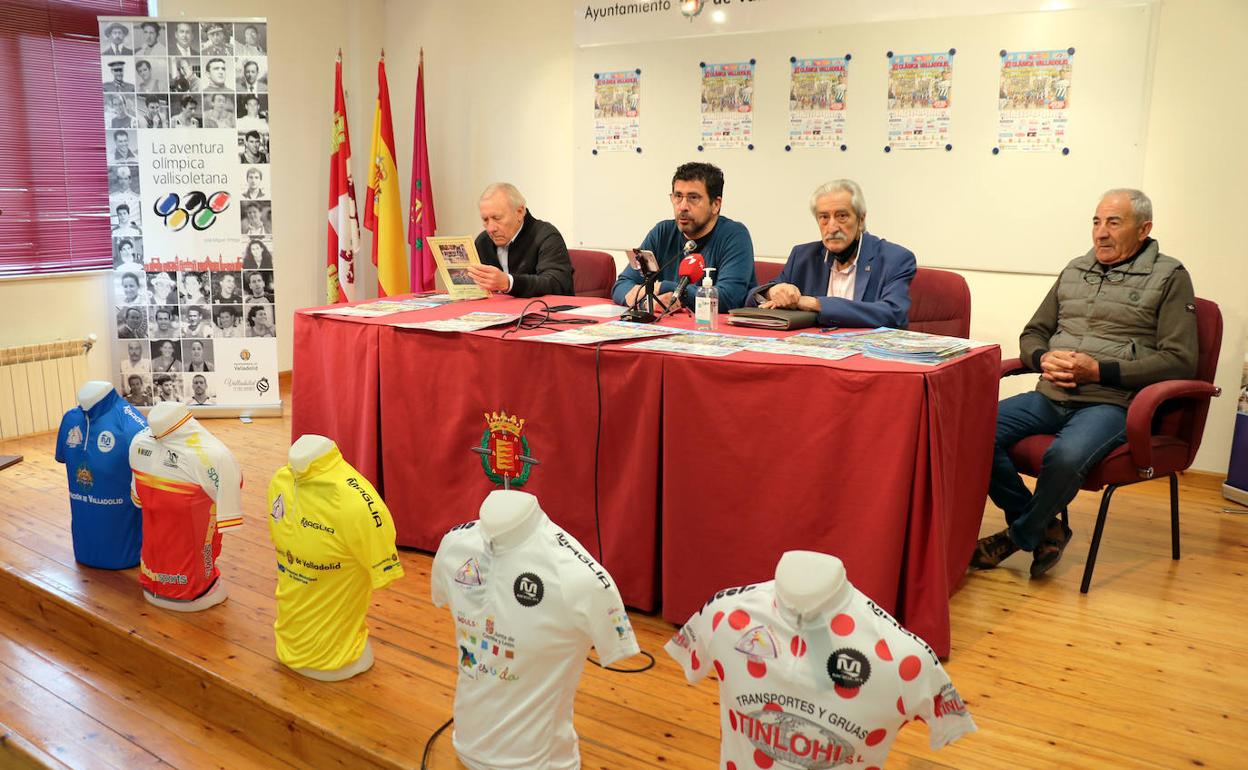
<point x="520" y="254"/>
<point x="1118" y="318"/>
<point x="849" y="277"/>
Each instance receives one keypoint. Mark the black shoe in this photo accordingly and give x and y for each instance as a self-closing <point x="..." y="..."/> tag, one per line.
<point x="992" y="550"/>
<point x="1049" y="552"/>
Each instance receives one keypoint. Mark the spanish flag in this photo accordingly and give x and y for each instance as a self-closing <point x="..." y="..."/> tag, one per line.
<point x="383" y="213"/>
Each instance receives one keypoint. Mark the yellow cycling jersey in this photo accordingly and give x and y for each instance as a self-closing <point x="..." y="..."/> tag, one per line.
<point x="335" y="543"/>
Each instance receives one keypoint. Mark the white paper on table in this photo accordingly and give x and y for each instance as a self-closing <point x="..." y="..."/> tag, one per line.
<point x="471" y="322"/>
<point x="608" y="332"/>
<point x="696" y="343"/>
<point x="598" y="311"/>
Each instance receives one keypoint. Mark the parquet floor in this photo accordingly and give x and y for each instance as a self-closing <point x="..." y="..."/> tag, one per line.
<point x="1148" y="670"/>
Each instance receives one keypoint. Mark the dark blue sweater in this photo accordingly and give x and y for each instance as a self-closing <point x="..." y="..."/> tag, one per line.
<point x="729" y="250"/>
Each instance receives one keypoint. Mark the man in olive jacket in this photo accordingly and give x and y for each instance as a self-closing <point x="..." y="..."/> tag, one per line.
<point x="1118" y="318"/>
<point x="520" y="254"/>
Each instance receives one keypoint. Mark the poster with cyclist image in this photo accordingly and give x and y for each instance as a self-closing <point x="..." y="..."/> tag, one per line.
<point x="186" y="122"/>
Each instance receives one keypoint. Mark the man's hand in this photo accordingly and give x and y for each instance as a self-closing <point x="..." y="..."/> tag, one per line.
<point x="488" y="277"/>
<point x="783" y="296"/>
<point x="1069" y="369"/>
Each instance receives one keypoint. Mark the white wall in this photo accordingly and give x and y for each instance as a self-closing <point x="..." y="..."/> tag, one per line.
<point x="499" y="80"/>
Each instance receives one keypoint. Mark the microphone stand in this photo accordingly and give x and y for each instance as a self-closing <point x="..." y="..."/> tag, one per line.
<point x="635" y="313"/>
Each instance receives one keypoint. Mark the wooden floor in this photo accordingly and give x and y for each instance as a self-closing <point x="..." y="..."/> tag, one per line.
<point x="1149" y="670"/>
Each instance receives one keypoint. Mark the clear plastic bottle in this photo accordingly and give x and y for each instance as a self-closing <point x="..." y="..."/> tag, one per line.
<point x="706" y="304"/>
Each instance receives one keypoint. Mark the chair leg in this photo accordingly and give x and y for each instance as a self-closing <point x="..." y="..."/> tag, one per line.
<point x="1174" y="516"/>
<point x="1106" y="496"/>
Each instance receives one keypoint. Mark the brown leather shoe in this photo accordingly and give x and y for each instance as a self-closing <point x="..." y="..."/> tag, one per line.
<point x="992" y="550"/>
<point x="1049" y="552"/>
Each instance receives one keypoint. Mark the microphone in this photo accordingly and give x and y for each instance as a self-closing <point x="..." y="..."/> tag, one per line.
<point x="691" y="270"/>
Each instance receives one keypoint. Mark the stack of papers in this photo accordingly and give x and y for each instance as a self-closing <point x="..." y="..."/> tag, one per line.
<point x="911" y="347"/>
<point x="807" y="345"/>
<point x="696" y="343"/>
<point x="606" y="332"/>
<point x="466" y="323"/>
<point x="381" y="307"/>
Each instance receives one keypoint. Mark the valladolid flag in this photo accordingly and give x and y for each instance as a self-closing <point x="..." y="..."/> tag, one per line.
<point x="344" y="224"/>
<point x="422" y="223"/>
<point x="383" y="212"/>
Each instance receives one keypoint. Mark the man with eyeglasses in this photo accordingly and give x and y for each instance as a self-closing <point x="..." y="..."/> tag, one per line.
<point x="696" y="227"/>
<point x="849" y="277"/>
<point x="1119" y="318"/>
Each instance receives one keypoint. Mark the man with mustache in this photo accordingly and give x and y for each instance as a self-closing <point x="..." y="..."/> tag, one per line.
<point x="696" y="227"/>
<point x="849" y="277"/>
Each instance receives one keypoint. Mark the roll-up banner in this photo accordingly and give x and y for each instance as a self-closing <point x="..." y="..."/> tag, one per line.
<point x="186" y="120"/>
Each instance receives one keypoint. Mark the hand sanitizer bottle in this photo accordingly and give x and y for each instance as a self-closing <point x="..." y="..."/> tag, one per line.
<point x="706" y="305"/>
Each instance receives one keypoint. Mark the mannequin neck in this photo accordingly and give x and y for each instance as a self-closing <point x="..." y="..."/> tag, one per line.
<point x="809" y="584"/>
<point x="508" y="518"/>
<point x="307" y="450"/>
<point x="169" y="418"/>
<point x="92" y="393"/>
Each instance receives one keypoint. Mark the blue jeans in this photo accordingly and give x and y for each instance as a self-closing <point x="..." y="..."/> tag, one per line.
<point x="1085" y="434"/>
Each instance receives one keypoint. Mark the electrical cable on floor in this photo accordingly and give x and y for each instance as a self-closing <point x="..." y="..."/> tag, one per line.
<point x="646" y="667"/>
<point x="424" y="757"/>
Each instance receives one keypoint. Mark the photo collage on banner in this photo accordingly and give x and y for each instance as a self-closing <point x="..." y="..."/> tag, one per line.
<point x="186" y="113"/>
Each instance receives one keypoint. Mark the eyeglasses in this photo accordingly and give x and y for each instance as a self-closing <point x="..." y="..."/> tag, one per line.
<point x="692" y="199"/>
<point x="1095" y="277"/>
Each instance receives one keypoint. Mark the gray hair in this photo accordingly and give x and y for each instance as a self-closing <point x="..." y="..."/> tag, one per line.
<point x="1141" y="205"/>
<point x="856" y="198"/>
<point x="514" y="198"/>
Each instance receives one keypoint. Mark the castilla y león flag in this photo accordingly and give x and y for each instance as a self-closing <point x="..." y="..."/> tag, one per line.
<point x="344" y="225"/>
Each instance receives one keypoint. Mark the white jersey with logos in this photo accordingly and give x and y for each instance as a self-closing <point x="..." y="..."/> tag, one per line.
<point x="823" y="691"/>
<point x="525" y="618"/>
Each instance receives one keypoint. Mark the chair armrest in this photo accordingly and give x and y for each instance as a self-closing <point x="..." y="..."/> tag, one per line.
<point x="1143" y="408"/>
<point x="1013" y="366"/>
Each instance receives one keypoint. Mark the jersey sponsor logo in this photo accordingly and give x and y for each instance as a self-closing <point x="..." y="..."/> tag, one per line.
<point x="792" y="740"/>
<point x="467" y="662"/>
<point x="465" y="525"/>
<point x="880" y="613"/>
<point x="354" y="483"/>
<point x="619" y="621"/>
<point x="598" y="572"/>
<point x="171" y="459"/>
<point x="469" y="573"/>
<point x="84" y="477"/>
<point x="729" y="592"/>
<point x="170" y="578"/>
<point x="105" y="441"/>
<point x="92" y="499"/>
<point x="681" y="639"/>
<point x="849" y="668"/>
<point x="528" y="589"/>
<point x="307" y="523"/>
<point x="73" y="439"/>
<point x="947" y="702"/>
<point x="758" y="643"/>
<point x="279" y="508"/>
<point x="299" y="561"/>
<point x="145" y="452"/>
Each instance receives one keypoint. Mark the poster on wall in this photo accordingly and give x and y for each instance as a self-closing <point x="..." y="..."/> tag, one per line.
<point x="1034" y="100"/>
<point x="920" y="87"/>
<point x="817" y="89"/>
<point x="617" y="111"/>
<point x="186" y="119"/>
<point x="727" y="105"/>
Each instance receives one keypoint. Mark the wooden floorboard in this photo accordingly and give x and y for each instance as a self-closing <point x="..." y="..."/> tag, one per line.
<point x="1148" y="670"/>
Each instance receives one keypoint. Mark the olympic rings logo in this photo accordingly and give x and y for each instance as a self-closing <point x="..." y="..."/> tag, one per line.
<point x="198" y="210"/>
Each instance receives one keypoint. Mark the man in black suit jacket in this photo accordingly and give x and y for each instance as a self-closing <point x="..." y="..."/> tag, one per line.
<point x="520" y="254"/>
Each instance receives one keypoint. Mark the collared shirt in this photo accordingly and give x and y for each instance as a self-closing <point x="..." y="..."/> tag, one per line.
<point x="841" y="279"/>
<point x="502" y="255"/>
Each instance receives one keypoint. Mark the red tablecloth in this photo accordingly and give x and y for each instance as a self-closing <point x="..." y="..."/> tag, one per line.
<point x="735" y="460"/>
<point x="884" y="465"/>
<point x="334" y="389"/>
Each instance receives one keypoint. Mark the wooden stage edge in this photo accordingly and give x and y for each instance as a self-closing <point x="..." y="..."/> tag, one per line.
<point x="1148" y="670"/>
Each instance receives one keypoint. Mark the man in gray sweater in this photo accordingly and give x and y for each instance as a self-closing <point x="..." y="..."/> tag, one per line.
<point x="1118" y="318"/>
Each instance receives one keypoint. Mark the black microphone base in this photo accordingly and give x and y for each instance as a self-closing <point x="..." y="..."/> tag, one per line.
<point x="639" y="316"/>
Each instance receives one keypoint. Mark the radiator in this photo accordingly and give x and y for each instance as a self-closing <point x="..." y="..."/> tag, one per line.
<point x="39" y="383"/>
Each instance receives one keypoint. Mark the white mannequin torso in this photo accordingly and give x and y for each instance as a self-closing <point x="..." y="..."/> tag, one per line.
<point x="306" y="450"/>
<point x="808" y="581"/>
<point x="164" y="416"/>
<point x="508" y="517"/>
<point x="91" y="392"/>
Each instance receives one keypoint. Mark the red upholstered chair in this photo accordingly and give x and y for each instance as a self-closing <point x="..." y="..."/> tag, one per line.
<point x="593" y="273"/>
<point x="766" y="272"/>
<point x="1165" y="423"/>
<point x="940" y="303"/>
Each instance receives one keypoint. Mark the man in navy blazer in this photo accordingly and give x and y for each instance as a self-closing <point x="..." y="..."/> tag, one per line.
<point x="849" y="277"/>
